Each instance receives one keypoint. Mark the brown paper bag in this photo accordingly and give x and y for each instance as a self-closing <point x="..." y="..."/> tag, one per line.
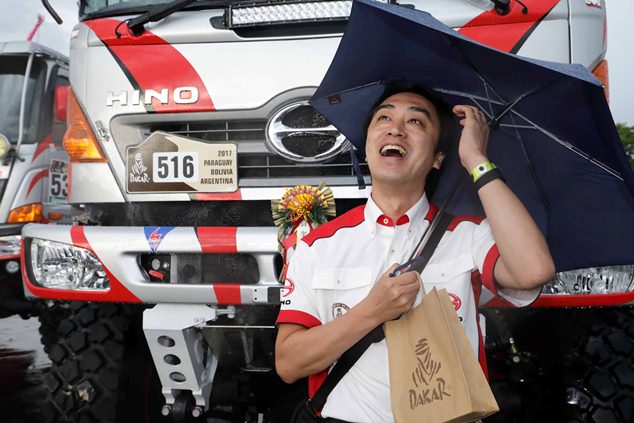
<point x="434" y="373"/>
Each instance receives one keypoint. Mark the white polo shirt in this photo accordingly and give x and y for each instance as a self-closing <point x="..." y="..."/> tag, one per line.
<point x="336" y="265"/>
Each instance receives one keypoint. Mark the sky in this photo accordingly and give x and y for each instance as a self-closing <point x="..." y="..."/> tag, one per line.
<point x="19" y="16"/>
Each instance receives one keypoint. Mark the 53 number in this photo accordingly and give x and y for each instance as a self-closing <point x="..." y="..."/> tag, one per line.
<point x="59" y="184"/>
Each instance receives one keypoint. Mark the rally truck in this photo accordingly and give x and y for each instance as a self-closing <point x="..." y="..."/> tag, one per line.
<point x="33" y="163"/>
<point x="185" y="119"/>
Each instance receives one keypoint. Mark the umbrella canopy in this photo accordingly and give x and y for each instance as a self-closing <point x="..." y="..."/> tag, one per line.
<point x="552" y="131"/>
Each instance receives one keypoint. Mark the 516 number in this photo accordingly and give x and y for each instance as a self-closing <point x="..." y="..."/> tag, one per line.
<point x="175" y="167"/>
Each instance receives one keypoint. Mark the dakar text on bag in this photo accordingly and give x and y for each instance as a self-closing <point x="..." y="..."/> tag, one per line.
<point x="434" y="373"/>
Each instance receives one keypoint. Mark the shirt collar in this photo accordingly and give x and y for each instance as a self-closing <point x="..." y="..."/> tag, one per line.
<point x="422" y="209"/>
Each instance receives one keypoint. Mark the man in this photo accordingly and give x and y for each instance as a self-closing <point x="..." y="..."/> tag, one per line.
<point x="338" y="284"/>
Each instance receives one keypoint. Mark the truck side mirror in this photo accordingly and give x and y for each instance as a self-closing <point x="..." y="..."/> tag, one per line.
<point x="61" y="102"/>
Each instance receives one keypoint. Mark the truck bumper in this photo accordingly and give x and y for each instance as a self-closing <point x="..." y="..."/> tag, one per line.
<point x="203" y="265"/>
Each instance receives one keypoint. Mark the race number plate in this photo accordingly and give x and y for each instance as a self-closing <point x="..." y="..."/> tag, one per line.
<point x="171" y="163"/>
<point x="58" y="182"/>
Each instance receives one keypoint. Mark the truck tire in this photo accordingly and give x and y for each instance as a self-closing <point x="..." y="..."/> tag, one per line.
<point x="101" y="368"/>
<point x="50" y="315"/>
<point x="598" y="376"/>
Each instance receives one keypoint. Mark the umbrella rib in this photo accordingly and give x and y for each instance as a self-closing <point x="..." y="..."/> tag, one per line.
<point x="512" y="104"/>
<point x="507" y="125"/>
<point x="486" y="89"/>
<point x="473" y="97"/>
<point x="572" y="148"/>
<point x="473" y="67"/>
<point x="488" y="114"/>
<point x="533" y="172"/>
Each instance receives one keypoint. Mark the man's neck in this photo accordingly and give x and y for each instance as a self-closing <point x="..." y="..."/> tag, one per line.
<point x="395" y="202"/>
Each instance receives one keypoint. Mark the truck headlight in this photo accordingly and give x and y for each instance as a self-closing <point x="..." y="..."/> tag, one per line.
<point x="594" y="280"/>
<point x="10" y="245"/>
<point x="64" y="266"/>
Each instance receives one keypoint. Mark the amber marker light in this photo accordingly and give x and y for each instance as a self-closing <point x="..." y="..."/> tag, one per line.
<point x="602" y="74"/>
<point x="79" y="141"/>
<point x="55" y="216"/>
<point x="25" y="214"/>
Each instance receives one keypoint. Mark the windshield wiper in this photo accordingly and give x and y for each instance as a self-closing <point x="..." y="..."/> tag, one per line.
<point x="157" y="13"/>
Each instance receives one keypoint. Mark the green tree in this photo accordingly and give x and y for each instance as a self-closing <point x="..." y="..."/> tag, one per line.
<point x="627" y="137"/>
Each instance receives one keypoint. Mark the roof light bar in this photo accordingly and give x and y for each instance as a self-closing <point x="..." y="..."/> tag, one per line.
<point x="277" y="13"/>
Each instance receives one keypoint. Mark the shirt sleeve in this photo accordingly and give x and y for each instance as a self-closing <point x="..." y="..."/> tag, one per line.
<point x="485" y="255"/>
<point x="298" y="303"/>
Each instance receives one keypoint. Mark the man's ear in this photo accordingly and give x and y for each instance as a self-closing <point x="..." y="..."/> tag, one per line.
<point x="440" y="156"/>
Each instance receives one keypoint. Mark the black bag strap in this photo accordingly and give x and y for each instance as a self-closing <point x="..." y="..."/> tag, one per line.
<point x="352" y="355"/>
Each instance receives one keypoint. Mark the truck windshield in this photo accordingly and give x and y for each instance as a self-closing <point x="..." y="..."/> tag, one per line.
<point x="12" y="69"/>
<point x="89" y="9"/>
<point x="115" y="6"/>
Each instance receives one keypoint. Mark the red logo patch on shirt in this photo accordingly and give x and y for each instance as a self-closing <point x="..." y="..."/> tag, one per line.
<point x="289" y="287"/>
<point x="455" y="301"/>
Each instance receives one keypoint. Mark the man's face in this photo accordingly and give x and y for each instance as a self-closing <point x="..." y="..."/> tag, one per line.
<point x="401" y="142"/>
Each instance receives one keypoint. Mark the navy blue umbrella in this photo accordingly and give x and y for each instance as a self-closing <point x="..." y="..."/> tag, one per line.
<point x="552" y="132"/>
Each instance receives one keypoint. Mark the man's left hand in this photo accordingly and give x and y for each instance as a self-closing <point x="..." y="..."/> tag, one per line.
<point x="475" y="136"/>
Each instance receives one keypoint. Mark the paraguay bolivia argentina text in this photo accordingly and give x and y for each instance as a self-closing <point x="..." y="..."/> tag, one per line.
<point x="221" y="172"/>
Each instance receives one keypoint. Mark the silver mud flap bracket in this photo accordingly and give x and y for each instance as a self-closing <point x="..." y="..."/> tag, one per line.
<point x="183" y="359"/>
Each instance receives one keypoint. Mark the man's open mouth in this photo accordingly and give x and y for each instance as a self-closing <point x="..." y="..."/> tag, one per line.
<point x="391" y="150"/>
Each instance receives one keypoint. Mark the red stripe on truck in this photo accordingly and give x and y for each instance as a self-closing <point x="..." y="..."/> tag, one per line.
<point x="151" y="63"/>
<point x="218" y="196"/>
<point x="42" y="146"/>
<point x="218" y="240"/>
<point x="588" y="300"/>
<point x="41" y="174"/>
<point x="227" y="293"/>
<point x="221" y="240"/>
<point x="509" y="32"/>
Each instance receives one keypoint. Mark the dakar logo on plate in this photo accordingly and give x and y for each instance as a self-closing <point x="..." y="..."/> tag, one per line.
<point x="455" y="301"/>
<point x="289" y="287"/>
<point x="139" y="170"/>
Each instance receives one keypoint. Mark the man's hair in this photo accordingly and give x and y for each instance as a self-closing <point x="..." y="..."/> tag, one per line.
<point x="447" y="124"/>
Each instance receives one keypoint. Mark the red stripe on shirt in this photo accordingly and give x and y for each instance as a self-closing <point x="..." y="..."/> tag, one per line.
<point x="466" y="218"/>
<point x="315" y="381"/>
<point x="476" y="286"/>
<point x="431" y="212"/>
<point x="487" y="269"/>
<point x="347" y="220"/>
<point x="297" y="317"/>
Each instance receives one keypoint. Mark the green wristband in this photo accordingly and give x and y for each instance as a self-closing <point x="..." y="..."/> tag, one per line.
<point x="481" y="169"/>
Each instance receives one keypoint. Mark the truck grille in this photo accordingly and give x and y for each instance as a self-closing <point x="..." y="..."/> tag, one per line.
<point x="257" y="165"/>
